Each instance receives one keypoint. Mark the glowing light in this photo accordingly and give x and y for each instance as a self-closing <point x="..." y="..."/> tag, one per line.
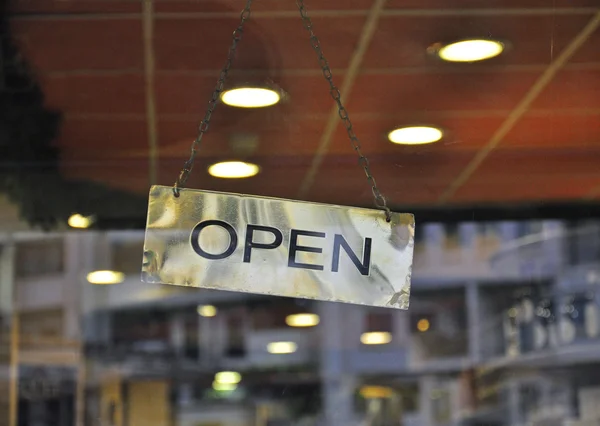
<point x="79" y="221"/>
<point x="282" y="347"/>
<point x="423" y="325"/>
<point x="471" y="50"/>
<point x="250" y="97"/>
<point x="105" y="277"/>
<point x="302" y="320"/>
<point x="228" y="377"/>
<point x="512" y="312"/>
<point x="416" y="135"/>
<point x="376" y="338"/>
<point x="207" y="311"/>
<point x="373" y="392"/>
<point x="224" y="387"/>
<point x="233" y="170"/>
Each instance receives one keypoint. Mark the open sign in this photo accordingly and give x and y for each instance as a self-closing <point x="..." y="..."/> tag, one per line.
<point x="278" y="247"/>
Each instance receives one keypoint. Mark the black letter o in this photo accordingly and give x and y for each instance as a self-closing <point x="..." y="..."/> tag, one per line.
<point x="233" y="240"/>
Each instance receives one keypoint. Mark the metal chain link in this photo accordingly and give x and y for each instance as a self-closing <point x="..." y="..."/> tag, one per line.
<point x="237" y="36"/>
<point x="363" y="161"/>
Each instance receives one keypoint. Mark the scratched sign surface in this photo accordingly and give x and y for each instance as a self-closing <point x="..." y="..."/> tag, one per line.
<point x="278" y="247"/>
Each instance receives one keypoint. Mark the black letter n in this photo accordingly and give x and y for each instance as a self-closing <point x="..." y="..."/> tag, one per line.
<point x="363" y="267"/>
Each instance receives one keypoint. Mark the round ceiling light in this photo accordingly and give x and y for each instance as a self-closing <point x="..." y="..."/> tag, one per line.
<point x="470" y="50"/>
<point x="423" y="325"/>
<point x="228" y="377"/>
<point x="78" y="221"/>
<point x="224" y="387"/>
<point x="233" y="170"/>
<point x="376" y="338"/>
<point x="415" y="135"/>
<point x="105" y="277"/>
<point x="250" y="97"/>
<point x="282" y="347"/>
<point x="207" y="311"/>
<point x="302" y="320"/>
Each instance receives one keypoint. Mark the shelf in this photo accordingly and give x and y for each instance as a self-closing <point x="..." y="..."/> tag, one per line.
<point x="579" y="353"/>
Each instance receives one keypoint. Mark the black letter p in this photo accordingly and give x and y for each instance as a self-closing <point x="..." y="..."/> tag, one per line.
<point x="250" y="244"/>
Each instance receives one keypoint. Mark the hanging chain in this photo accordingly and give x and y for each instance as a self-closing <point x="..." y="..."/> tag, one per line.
<point x="380" y="200"/>
<point x="237" y="36"/>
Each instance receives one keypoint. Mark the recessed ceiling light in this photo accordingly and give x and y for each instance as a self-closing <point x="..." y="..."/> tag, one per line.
<point x="416" y="135"/>
<point x="376" y="392"/>
<point x="105" y="277"/>
<point x="233" y="170"/>
<point x="302" y="320"/>
<point x="282" y="347"/>
<point x="224" y="387"/>
<point x="470" y="50"/>
<point x="79" y="221"/>
<point x="250" y="97"/>
<point x="376" y="338"/>
<point x="228" y="377"/>
<point x="207" y="311"/>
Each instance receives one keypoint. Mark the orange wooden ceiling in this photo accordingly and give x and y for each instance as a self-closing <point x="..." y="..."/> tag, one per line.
<point x="521" y="127"/>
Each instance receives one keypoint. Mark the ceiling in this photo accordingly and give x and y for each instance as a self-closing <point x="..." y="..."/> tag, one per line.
<point x="132" y="80"/>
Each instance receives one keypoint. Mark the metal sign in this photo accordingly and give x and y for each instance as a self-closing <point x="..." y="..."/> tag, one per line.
<point x="278" y="247"/>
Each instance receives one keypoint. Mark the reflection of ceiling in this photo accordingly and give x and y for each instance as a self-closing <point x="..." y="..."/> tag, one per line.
<point x="524" y="126"/>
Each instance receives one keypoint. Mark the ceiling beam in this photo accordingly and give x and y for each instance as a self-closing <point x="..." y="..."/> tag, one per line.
<point x="522" y="107"/>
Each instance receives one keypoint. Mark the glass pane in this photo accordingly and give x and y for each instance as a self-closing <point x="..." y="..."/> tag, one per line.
<point x="481" y="118"/>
